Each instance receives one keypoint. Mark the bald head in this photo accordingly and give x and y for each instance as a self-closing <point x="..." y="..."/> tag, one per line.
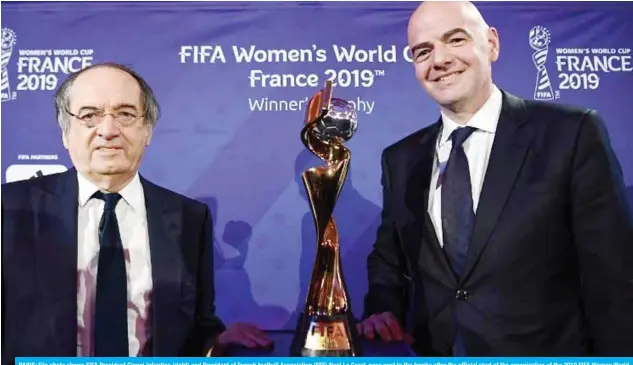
<point x="429" y="13"/>
<point x="453" y="48"/>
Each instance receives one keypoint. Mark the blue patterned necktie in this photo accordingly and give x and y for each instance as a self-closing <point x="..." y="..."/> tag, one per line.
<point x="110" y="330"/>
<point x="458" y="216"/>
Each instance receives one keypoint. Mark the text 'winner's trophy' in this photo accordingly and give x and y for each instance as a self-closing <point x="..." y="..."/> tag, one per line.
<point x="327" y="326"/>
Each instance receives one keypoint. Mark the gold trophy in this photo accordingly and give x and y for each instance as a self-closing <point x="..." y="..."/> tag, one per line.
<point x="327" y="326"/>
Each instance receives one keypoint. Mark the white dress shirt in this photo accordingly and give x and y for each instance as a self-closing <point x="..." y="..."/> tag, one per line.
<point x="132" y="220"/>
<point x="477" y="148"/>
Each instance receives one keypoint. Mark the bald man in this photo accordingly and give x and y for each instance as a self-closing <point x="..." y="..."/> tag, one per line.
<point x="504" y="229"/>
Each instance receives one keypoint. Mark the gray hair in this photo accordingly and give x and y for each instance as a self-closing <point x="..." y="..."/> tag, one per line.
<point x="62" y="100"/>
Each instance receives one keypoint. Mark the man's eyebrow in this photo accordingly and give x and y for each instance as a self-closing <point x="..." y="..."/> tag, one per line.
<point x="452" y="32"/>
<point x="444" y="37"/>
<point x="420" y="45"/>
<point x="116" y="107"/>
<point x="124" y="106"/>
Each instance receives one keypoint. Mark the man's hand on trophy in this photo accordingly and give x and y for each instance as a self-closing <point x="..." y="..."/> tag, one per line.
<point x="244" y="334"/>
<point x="384" y="325"/>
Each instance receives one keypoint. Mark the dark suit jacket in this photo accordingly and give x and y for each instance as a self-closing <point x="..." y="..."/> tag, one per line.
<point x="550" y="264"/>
<point x="39" y="270"/>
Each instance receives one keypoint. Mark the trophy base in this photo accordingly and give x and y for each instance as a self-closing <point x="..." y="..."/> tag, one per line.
<point x="326" y="353"/>
<point x="326" y="336"/>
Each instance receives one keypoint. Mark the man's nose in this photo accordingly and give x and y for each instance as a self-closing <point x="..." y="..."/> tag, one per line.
<point x="442" y="56"/>
<point x="108" y="128"/>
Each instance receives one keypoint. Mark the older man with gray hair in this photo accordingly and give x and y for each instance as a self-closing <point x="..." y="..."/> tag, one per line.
<point x="99" y="261"/>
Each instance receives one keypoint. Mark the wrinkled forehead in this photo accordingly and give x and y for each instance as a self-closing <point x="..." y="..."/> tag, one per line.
<point x="104" y="88"/>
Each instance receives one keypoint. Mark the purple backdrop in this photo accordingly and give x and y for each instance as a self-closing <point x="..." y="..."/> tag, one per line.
<point x="217" y="143"/>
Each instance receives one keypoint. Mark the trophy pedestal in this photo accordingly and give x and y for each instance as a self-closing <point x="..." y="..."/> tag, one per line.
<point x="326" y="336"/>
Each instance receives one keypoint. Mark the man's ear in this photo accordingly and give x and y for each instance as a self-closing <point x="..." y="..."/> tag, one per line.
<point x="148" y="137"/>
<point x="494" y="44"/>
<point x="65" y="138"/>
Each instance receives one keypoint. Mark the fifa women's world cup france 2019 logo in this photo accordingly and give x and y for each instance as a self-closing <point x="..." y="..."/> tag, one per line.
<point x="539" y="41"/>
<point x="8" y="41"/>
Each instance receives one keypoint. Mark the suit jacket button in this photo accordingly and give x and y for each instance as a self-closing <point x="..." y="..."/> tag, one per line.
<point x="461" y="295"/>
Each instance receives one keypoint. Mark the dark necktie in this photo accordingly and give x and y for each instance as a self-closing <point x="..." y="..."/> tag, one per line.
<point x="110" y="330"/>
<point x="457" y="203"/>
<point x="458" y="216"/>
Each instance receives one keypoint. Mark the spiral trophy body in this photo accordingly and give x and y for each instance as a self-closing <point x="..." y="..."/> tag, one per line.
<point x="8" y="41"/>
<point x="539" y="41"/>
<point x="326" y="327"/>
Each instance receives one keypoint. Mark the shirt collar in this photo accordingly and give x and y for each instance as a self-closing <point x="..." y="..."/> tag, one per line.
<point x="132" y="193"/>
<point x="485" y="119"/>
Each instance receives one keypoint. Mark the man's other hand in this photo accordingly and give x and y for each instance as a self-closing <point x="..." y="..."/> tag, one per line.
<point x="384" y="325"/>
<point x="244" y="334"/>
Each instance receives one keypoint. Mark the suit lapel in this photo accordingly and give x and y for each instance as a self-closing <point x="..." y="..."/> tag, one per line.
<point x="506" y="159"/>
<point x="420" y="165"/>
<point x="56" y="259"/>
<point x="165" y="230"/>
